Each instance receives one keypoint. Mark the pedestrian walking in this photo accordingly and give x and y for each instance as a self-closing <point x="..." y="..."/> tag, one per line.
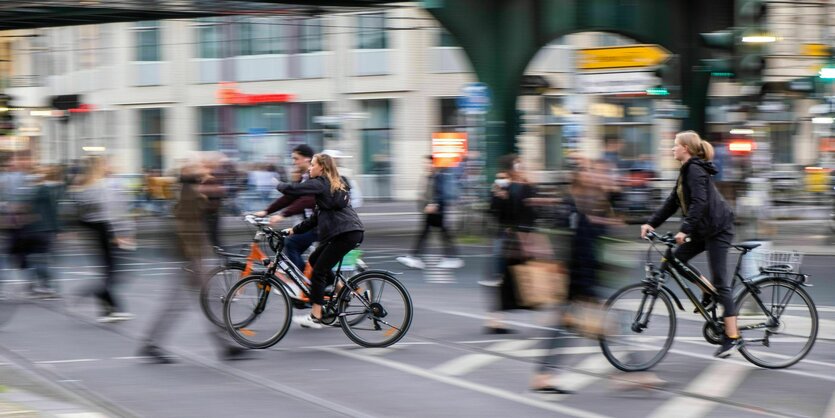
<point x="101" y="210"/>
<point x="192" y="247"/>
<point x="434" y="202"/>
<point x="707" y="225"/>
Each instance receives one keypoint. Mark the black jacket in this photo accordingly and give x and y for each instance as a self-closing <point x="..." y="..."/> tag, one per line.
<point x="704" y="210"/>
<point x="332" y="214"/>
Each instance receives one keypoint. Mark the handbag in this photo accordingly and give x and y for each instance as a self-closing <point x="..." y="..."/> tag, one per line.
<point x="539" y="283"/>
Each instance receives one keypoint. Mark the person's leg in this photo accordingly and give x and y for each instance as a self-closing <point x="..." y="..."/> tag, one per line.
<point x="105" y="293"/>
<point x="213" y="227"/>
<point x="421" y="241"/>
<point x="327" y="255"/>
<point x="449" y="244"/>
<point x="296" y="244"/>
<point x="717" y="254"/>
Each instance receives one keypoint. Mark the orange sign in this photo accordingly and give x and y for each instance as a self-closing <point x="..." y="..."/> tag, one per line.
<point x="827" y="145"/>
<point x="227" y="94"/>
<point x="448" y="148"/>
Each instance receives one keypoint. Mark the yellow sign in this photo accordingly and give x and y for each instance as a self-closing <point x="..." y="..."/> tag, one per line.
<point x="627" y="56"/>
<point x="814" y="50"/>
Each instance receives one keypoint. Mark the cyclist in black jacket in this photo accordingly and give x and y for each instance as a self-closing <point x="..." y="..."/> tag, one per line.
<point x="707" y="222"/>
<point x="340" y="229"/>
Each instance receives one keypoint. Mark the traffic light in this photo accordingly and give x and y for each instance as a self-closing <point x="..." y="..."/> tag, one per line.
<point x="751" y="18"/>
<point x="721" y="43"/>
<point x="7" y="119"/>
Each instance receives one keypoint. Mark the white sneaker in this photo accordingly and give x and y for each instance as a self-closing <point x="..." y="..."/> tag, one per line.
<point x="116" y="317"/>
<point x="451" y="263"/>
<point x="307" y="321"/>
<point x="490" y="283"/>
<point x="411" y="262"/>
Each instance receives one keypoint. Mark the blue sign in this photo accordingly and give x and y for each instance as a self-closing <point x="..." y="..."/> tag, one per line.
<point x="257" y="131"/>
<point x="475" y="98"/>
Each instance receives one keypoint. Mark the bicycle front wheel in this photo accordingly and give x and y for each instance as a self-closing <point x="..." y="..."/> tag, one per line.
<point x="784" y="337"/>
<point x="257" y="312"/>
<point x="214" y="290"/>
<point x="375" y="310"/>
<point x="639" y="328"/>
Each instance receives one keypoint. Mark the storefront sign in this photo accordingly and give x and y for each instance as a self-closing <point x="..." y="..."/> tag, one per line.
<point x="448" y="148"/>
<point x="614" y="83"/>
<point x="628" y="56"/>
<point x="232" y="96"/>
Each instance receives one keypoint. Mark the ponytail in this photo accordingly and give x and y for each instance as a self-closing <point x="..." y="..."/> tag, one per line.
<point x="695" y="145"/>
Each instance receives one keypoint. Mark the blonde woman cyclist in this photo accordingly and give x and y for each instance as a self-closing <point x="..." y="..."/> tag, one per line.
<point x="339" y="227"/>
<point x="707" y="222"/>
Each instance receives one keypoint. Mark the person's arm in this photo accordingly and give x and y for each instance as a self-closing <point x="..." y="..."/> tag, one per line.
<point x="311" y="187"/>
<point x="298" y="205"/>
<point x="307" y="224"/>
<point x="665" y="211"/>
<point x="698" y="181"/>
<point x="280" y="203"/>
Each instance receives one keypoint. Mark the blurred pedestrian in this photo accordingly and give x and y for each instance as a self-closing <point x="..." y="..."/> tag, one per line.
<point x="707" y="225"/>
<point x="340" y="229"/>
<point x="215" y="191"/>
<point x="591" y="215"/>
<point x="513" y="213"/>
<point x="434" y="202"/>
<point x="102" y="210"/>
<point x="192" y="246"/>
<point x="44" y="229"/>
<point x="294" y="204"/>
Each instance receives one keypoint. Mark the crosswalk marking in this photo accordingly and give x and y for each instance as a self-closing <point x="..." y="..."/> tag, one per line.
<point x="706" y="384"/>
<point x="575" y="381"/>
<point x="433" y="274"/>
<point x="464" y="384"/>
<point x="462" y="365"/>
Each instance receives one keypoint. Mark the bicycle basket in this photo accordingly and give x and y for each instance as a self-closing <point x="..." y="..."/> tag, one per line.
<point x="777" y="262"/>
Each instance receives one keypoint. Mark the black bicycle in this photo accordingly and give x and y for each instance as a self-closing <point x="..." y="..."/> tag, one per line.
<point x="373" y="308"/>
<point x="776" y="316"/>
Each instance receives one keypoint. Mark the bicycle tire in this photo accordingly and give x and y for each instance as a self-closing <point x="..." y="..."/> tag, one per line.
<point x="778" y="347"/>
<point x="610" y="343"/>
<point x="386" y="318"/>
<point x="246" y="315"/>
<point x="214" y="290"/>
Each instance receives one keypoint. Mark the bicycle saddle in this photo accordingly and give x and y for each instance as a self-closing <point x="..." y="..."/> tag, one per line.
<point x="746" y="247"/>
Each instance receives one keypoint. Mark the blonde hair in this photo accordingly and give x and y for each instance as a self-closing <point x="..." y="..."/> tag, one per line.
<point x="94" y="169"/>
<point x="330" y="172"/>
<point x="695" y="145"/>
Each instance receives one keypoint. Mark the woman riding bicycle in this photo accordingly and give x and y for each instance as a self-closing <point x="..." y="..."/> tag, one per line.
<point x="707" y="222"/>
<point x="339" y="227"/>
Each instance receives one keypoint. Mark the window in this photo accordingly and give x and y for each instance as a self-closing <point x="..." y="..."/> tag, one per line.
<point x="376" y="137"/>
<point x="147" y="41"/>
<point x="209" y="128"/>
<point x="446" y="39"/>
<point x="209" y="38"/>
<point x="151" y="137"/>
<point x="782" y="148"/>
<point x="372" y="32"/>
<point x="310" y="36"/>
<point x="260" y="36"/>
<point x="451" y="118"/>
<point x="88" y="36"/>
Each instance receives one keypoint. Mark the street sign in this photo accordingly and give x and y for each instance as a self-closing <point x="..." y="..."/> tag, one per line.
<point x="475" y="98"/>
<point x="448" y="148"/>
<point x="814" y="50"/>
<point x="627" y="56"/>
<point x="611" y="83"/>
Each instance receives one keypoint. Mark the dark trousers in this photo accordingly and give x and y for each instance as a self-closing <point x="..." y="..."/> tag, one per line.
<point x="297" y="244"/>
<point x="213" y="228"/>
<point x="326" y="256"/>
<point x="717" y="248"/>
<point x="104" y="291"/>
<point x="435" y="220"/>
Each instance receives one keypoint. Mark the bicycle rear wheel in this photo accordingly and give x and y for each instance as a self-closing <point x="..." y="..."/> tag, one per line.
<point x="214" y="290"/>
<point x="788" y="337"/>
<point x="257" y="312"/>
<point x="639" y="328"/>
<point x="375" y="310"/>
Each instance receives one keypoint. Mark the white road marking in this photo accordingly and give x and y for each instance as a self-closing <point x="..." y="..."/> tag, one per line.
<point x="464" y="384"/>
<point x="576" y="381"/>
<point x="830" y="409"/>
<point x="707" y="384"/>
<point x="462" y="365"/>
<point x="77" y="360"/>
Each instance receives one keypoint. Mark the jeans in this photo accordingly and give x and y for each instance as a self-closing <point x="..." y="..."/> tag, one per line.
<point x="297" y="244"/>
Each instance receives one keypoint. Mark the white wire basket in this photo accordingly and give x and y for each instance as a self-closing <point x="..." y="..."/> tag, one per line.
<point x="778" y="261"/>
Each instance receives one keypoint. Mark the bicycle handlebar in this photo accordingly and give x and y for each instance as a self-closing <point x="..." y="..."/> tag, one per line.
<point x="668" y="238"/>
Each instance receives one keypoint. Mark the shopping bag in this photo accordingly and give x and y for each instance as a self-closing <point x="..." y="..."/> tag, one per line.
<point x="539" y="283"/>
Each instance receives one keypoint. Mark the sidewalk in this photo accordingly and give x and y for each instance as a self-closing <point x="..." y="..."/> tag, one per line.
<point x="24" y="393"/>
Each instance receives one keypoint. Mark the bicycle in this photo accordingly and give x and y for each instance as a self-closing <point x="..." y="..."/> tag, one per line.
<point x="236" y="266"/>
<point x="257" y="311"/>
<point x="773" y="311"/>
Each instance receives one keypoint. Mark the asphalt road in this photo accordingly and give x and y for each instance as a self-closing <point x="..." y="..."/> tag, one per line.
<point x="57" y="360"/>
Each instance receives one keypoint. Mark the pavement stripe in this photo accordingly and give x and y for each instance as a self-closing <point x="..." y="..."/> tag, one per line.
<point x="461" y="383"/>
<point x="77" y="360"/>
<point x="462" y="365"/>
<point x="576" y="381"/>
<point x="706" y="384"/>
<point x="830" y="409"/>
